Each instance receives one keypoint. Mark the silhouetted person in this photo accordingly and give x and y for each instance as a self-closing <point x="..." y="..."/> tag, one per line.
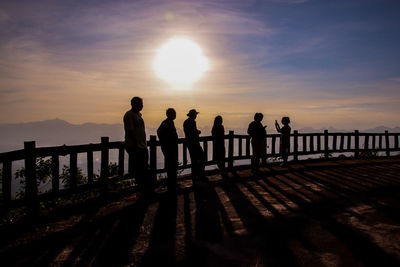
<point x="218" y="133"/>
<point x="169" y="146"/>
<point x="285" y="138"/>
<point x="136" y="146"/>
<point x="192" y="135"/>
<point x="257" y="133"/>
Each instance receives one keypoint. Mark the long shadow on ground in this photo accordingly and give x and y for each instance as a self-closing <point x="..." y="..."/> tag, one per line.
<point x="339" y="216"/>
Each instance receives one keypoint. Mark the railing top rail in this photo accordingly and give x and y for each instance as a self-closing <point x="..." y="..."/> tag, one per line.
<point x="59" y="150"/>
<point x="68" y="149"/>
<point x="12" y="155"/>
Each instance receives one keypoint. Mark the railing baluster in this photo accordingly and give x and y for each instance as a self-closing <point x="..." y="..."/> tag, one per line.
<point x="396" y="141"/>
<point x="319" y="150"/>
<point x="380" y="142"/>
<point x="326" y="144"/>
<point x="104" y="159"/>
<point x="373" y="142"/>
<point x="356" y="143"/>
<point x="121" y="161"/>
<point x="341" y="142"/>
<point x="55" y="174"/>
<point x="349" y="141"/>
<point x="387" y="143"/>
<point x="248" y="146"/>
<point x="334" y="142"/>
<point x="295" y="145"/>
<point x="90" y="166"/>
<point x="31" y="190"/>
<point x="184" y="154"/>
<point x="6" y="182"/>
<point x="304" y="143"/>
<point x="73" y="169"/>
<point x="311" y="143"/>
<point x="240" y="147"/>
<point x="230" y="150"/>
<point x="205" y="148"/>
<point x="366" y="142"/>
<point x="273" y="144"/>
<point x="264" y="158"/>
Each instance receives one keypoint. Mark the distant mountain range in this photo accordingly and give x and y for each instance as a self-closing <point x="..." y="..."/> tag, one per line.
<point x="55" y="132"/>
<point x="58" y="132"/>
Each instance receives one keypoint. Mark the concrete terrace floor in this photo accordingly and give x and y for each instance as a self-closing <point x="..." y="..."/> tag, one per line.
<point x="332" y="213"/>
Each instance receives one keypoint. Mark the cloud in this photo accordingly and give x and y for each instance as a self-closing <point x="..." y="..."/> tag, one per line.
<point x="289" y="1"/>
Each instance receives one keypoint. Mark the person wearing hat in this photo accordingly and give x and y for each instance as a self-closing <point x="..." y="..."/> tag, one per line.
<point x="192" y="135"/>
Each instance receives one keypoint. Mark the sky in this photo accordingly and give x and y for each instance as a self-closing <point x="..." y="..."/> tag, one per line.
<point x="321" y="62"/>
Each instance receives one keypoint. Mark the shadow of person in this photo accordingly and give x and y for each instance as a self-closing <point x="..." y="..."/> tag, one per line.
<point x="161" y="251"/>
<point x="207" y="221"/>
<point x="104" y="240"/>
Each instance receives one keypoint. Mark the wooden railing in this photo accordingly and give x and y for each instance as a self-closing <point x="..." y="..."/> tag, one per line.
<point x="238" y="148"/>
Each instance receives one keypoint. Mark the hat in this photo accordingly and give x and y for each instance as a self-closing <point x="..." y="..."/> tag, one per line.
<point x="192" y="111"/>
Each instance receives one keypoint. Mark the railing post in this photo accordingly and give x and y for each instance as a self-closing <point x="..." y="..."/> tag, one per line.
<point x="230" y="150"/>
<point x="153" y="157"/>
<point x="326" y="144"/>
<point x="6" y="187"/>
<point x="387" y="143"/>
<point x="356" y="144"/>
<point x="31" y="190"/>
<point x="104" y="159"/>
<point x="295" y="145"/>
<point x="55" y="174"/>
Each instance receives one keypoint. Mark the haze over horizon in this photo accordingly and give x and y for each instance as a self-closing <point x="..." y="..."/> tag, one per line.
<point x="323" y="63"/>
<point x="268" y="123"/>
<point x="57" y="132"/>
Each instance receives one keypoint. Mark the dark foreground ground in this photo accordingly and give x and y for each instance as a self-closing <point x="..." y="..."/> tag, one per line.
<point x="339" y="213"/>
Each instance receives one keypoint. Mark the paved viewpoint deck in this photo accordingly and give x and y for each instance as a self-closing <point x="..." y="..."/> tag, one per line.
<point x="336" y="213"/>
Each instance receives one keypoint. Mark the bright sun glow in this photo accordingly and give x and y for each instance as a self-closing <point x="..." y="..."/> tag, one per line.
<point x="180" y="62"/>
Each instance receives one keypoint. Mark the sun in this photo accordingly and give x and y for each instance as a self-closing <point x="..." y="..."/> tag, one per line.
<point x="180" y="61"/>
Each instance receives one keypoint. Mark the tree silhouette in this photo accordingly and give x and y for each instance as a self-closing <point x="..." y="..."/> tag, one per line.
<point x="44" y="176"/>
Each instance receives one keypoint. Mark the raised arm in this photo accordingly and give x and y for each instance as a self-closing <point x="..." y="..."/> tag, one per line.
<point x="278" y="128"/>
